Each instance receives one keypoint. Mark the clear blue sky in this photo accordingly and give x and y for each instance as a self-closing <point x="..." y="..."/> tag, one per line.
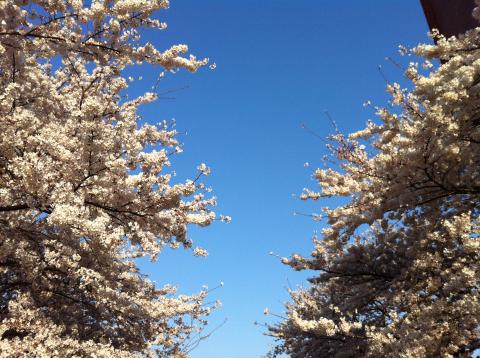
<point x="279" y="64"/>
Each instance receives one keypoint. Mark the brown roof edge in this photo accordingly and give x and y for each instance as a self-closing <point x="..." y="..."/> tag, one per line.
<point x="450" y="17"/>
<point x="429" y="14"/>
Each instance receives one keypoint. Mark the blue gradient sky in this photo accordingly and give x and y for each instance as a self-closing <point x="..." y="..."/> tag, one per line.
<point x="279" y="64"/>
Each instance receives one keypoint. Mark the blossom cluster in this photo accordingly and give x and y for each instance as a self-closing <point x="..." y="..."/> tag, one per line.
<point x="82" y="193"/>
<point x="398" y="271"/>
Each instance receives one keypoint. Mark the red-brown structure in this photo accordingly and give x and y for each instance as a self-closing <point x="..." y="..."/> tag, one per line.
<point x="450" y="17"/>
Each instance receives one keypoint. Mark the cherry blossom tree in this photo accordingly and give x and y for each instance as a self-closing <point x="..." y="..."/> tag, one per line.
<point x="398" y="270"/>
<point x="85" y="186"/>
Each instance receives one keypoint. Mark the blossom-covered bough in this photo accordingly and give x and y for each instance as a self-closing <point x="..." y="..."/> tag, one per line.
<point x="82" y="195"/>
<point x="398" y="265"/>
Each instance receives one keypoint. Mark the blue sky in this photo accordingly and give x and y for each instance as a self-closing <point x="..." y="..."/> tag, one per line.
<point x="279" y="64"/>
